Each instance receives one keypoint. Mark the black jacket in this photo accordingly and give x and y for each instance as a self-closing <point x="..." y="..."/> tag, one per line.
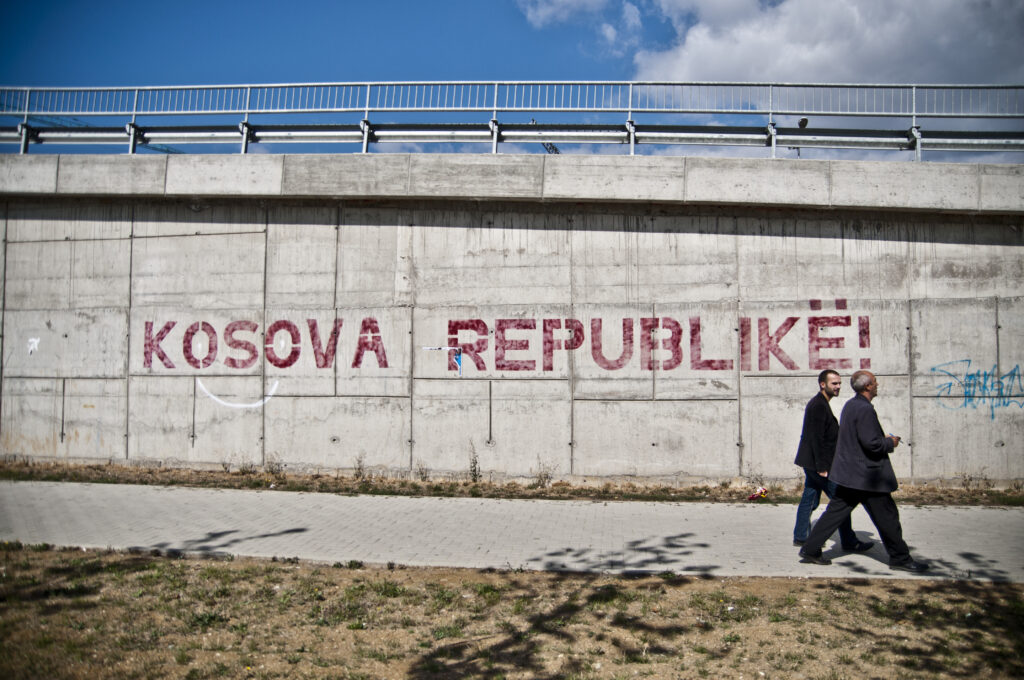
<point x="862" y="454"/>
<point x="818" y="437"/>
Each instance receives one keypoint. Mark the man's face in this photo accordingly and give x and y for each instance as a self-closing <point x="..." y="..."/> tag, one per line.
<point x="872" y="388"/>
<point x="831" y="385"/>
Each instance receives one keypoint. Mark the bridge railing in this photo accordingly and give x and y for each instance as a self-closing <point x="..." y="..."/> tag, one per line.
<point x="652" y="112"/>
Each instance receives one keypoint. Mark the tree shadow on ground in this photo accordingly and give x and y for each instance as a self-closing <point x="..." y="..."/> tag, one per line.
<point x="643" y="556"/>
<point x="970" y="566"/>
<point x="214" y="542"/>
<point x="68" y="585"/>
<point x="516" y="648"/>
<point x="962" y="629"/>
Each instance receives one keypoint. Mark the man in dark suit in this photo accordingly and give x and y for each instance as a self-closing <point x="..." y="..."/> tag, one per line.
<point x="863" y="473"/>
<point x="814" y="454"/>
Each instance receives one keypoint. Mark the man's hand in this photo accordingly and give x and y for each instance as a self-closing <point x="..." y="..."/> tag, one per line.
<point x="823" y="474"/>
<point x="895" y="440"/>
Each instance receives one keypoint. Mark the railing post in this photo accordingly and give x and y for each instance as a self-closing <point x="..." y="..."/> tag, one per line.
<point x="26" y="134"/>
<point x="133" y="136"/>
<point x="364" y="125"/>
<point x="913" y="106"/>
<point x="247" y="136"/>
<point x="23" y="128"/>
<point x="131" y="129"/>
<point x="495" y="132"/>
<point x="914" y="134"/>
<point x="631" y="128"/>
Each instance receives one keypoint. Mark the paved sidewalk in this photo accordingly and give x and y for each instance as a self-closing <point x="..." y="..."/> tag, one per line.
<point x="725" y="539"/>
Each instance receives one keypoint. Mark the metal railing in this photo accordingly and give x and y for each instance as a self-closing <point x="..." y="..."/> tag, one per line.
<point x="653" y="113"/>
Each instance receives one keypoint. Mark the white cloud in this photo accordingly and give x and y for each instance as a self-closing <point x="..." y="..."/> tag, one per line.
<point x="631" y="16"/>
<point x="609" y="32"/>
<point x="882" y="41"/>
<point x="712" y="13"/>
<point x="540" y="13"/>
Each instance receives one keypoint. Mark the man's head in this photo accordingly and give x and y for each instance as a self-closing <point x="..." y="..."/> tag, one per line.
<point x="829" y="382"/>
<point x="864" y="382"/>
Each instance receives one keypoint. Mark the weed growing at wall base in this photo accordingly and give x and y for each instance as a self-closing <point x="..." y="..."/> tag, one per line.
<point x="541" y="486"/>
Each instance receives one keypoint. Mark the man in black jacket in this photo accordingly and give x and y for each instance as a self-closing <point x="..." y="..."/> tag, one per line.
<point x="814" y="454"/>
<point x="863" y="473"/>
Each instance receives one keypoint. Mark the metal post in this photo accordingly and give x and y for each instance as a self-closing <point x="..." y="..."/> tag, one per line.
<point x="913" y="106"/>
<point x="915" y="138"/>
<point x="26" y="133"/>
<point x="364" y="125"/>
<point x="246" y="131"/>
<point x="771" y="137"/>
<point x="133" y="136"/>
<point x="631" y="128"/>
<point x="23" y="128"/>
<point x="495" y="131"/>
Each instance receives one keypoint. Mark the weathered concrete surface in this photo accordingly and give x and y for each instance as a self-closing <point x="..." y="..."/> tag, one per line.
<point x="707" y="539"/>
<point x="117" y="175"/>
<point x="958" y="187"/>
<point x="616" y="317"/>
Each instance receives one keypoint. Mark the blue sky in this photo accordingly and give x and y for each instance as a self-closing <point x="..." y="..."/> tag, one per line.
<point x="194" y="42"/>
<point x="189" y="42"/>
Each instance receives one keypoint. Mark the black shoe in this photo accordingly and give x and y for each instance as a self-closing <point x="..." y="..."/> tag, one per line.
<point x="814" y="559"/>
<point x="798" y="542"/>
<point x="911" y="566"/>
<point x="860" y="546"/>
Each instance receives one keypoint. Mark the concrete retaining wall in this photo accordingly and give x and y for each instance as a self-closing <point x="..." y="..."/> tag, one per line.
<point x="653" y="317"/>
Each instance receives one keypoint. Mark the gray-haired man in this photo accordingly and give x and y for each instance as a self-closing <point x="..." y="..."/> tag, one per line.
<point x="864" y="475"/>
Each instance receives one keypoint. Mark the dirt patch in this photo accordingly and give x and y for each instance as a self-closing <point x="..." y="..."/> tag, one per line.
<point x="101" y="614"/>
<point x="971" y="491"/>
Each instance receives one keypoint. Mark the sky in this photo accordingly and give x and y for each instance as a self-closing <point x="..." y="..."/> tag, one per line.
<point x="191" y="42"/>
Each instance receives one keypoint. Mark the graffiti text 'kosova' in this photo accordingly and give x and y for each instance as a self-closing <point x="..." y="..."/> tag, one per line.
<point x="528" y="344"/>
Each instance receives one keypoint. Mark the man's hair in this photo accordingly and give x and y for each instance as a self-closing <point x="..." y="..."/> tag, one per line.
<point x="860" y="381"/>
<point x="823" y="376"/>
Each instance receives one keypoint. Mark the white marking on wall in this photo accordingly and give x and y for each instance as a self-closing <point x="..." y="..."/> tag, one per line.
<point x="255" y="404"/>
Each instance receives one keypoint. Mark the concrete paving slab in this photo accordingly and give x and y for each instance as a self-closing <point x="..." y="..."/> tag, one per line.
<point x="753" y="539"/>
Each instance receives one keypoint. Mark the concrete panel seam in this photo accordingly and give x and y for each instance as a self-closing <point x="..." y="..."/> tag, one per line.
<point x="56" y="185"/>
<point x="978" y="178"/>
<point x="831" y="201"/>
<point x="543" y="177"/>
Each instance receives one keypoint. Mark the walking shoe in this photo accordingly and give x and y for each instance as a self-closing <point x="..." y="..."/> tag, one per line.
<point x="860" y="546"/>
<point x="814" y="559"/>
<point x="911" y="566"/>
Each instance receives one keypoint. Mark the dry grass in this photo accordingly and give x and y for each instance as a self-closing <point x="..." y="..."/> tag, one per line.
<point x="90" y="614"/>
<point x="970" y="491"/>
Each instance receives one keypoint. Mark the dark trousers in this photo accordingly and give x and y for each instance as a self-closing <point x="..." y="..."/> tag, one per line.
<point x="814" y="484"/>
<point x="881" y="508"/>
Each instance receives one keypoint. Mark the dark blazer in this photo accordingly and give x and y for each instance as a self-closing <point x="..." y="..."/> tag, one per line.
<point x="862" y="453"/>
<point x="818" y="437"/>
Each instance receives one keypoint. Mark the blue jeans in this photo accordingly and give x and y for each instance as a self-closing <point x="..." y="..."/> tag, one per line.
<point x="814" y="484"/>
